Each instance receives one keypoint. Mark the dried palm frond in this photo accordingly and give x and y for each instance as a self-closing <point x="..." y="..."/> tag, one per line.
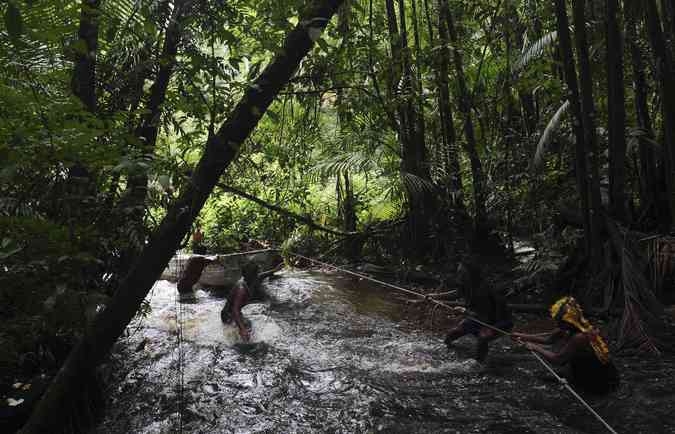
<point x="547" y="135"/>
<point x="662" y="260"/>
<point x="641" y="308"/>
<point x="637" y="135"/>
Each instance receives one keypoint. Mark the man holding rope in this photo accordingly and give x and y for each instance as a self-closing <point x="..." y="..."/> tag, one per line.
<point x="486" y="303"/>
<point x="583" y="349"/>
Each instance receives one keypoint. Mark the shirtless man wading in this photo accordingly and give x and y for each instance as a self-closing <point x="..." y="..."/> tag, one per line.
<point x="244" y="291"/>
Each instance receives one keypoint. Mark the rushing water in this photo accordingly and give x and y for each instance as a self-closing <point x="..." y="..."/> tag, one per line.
<point x="331" y="355"/>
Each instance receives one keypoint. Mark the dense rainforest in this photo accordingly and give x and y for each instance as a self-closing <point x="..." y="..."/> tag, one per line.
<point x="396" y="135"/>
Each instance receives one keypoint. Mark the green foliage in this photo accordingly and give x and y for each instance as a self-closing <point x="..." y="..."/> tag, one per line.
<point x="330" y="148"/>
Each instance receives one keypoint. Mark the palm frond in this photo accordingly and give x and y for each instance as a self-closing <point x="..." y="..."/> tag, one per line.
<point x="345" y="162"/>
<point x="547" y="135"/>
<point x="641" y="306"/>
<point x="637" y="135"/>
<point x="416" y="186"/>
<point x="533" y="51"/>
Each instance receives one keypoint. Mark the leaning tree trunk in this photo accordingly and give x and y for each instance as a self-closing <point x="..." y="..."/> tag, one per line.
<point x="617" y="114"/>
<point x="471" y="145"/>
<point x="590" y="136"/>
<point x="570" y="74"/>
<point x="221" y="149"/>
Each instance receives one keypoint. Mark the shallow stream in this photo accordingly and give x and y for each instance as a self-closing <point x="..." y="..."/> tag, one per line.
<point x="330" y="354"/>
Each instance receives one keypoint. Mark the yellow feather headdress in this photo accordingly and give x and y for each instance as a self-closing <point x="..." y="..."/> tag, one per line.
<point x="567" y="309"/>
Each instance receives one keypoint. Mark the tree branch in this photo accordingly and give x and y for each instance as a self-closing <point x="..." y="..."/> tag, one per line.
<point x="306" y="220"/>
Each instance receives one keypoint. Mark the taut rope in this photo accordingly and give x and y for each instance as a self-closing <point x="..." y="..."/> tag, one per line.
<point x="560" y="379"/>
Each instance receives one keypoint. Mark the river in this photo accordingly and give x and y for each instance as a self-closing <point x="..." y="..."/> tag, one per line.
<point x="332" y="354"/>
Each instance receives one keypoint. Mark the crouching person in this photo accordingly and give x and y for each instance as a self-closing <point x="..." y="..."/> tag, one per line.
<point x="246" y="290"/>
<point x="582" y="349"/>
<point x="486" y="304"/>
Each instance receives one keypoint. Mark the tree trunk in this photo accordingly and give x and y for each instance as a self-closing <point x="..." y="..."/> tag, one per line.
<point x="471" y="146"/>
<point x="509" y="132"/>
<point x="668" y="11"/>
<point x="616" y="114"/>
<point x="422" y="164"/>
<point x="648" y="179"/>
<point x="663" y="71"/>
<point x="412" y="145"/>
<point x="221" y="149"/>
<point x="148" y="129"/>
<point x="345" y="191"/>
<point x="570" y="74"/>
<point x="590" y="136"/>
<point x="448" y="135"/>
<point x="80" y="181"/>
<point x="83" y="81"/>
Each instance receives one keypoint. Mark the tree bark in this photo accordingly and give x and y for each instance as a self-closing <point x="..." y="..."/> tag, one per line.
<point x="448" y="135"/>
<point x="663" y="72"/>
<point x="648" y="179"/>
<point x="668" y="11"/>
<point x="83" y="85"/>
<point x="147" y="131"/>
<point x="570" y="74"/>
<point x="403" y="91"/>
<point x="616" y="113"/>
<point x="471" y="146"/>
<point x="590" y="136"/>
<point x="220" y="150"/>
<point x="83" y="81"/>
<point x="345" y="191"/>
<point x="421" y="163"/>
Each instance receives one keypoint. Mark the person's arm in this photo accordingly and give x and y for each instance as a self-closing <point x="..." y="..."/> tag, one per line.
<point x="545" y="339"/>
<point x="267" y="273"/>
<point x="564" y="356"/>
<point x="238" y="302"/>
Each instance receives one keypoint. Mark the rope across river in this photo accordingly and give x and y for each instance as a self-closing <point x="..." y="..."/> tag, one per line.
<point x="431" y="300"/>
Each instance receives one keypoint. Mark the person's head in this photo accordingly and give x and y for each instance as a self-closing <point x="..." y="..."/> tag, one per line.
<point x="250" y="271"/>
<point x="568" y="314"/>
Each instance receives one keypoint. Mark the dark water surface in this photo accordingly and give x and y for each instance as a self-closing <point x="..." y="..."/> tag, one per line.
<point x="330" y="356"/>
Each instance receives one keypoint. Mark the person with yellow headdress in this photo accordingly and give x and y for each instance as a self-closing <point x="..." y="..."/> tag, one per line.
<point x="583" y="349"/>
